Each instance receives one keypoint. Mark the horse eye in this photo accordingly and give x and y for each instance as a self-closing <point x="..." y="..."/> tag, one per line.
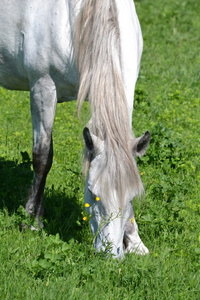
<point x="93" y="195"/>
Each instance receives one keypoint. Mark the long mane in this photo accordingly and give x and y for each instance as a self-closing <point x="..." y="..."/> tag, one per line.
<point x="98" y="56"/>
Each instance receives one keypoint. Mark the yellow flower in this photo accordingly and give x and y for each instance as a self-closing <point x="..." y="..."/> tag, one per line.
<point x="132" y="220"/>
<point x="141" y="173"/>
<point x="97" y="198"/>
<point x="87" y="205"/>
<point x="84" y="218"/>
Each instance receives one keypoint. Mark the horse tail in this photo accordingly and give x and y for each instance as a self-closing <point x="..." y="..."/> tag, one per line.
<point x="98" y="56"/>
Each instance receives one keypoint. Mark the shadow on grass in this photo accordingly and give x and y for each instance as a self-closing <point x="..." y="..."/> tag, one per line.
<point x="15" y="181"/>
<point x="62" y="214"/>
<point x="61" y="211"/>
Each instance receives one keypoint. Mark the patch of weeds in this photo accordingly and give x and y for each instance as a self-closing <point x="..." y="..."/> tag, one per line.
<point x="56" y="257"/>
<point x="165" y="151"/>
<point x="166" y="213"/>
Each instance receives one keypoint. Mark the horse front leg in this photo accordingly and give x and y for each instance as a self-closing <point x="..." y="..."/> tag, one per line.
<point x="43" y="106"/>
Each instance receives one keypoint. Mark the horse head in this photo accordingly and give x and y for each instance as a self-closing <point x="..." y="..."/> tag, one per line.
<point x="111" y="214"/>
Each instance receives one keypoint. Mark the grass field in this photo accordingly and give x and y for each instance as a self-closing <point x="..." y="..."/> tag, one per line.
<point x="59" y="262"/>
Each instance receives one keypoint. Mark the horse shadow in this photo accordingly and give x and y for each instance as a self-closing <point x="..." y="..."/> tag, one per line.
<point x="61" y="211"/>
<point x="15" y="181"/>
<point x="62" y="214"/>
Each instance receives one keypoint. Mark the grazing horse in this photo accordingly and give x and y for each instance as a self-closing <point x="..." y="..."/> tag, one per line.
<point x="77" y="49"/>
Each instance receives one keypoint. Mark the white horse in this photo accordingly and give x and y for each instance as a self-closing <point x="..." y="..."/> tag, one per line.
<point x="77" y="49"/>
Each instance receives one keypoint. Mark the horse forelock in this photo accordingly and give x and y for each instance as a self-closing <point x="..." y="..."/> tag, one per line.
<point x="98" y="55"/>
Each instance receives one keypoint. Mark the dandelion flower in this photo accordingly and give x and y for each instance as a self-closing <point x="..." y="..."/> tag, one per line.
<point x="84" y="218"/>
<point x="132" y="220"/>
<point x="141" y="173"/>
<point x="87" y="205"/>
<point x="97" y="198"/>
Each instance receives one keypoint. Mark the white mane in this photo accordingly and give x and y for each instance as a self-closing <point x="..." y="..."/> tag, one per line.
<point x="97" y="46"/>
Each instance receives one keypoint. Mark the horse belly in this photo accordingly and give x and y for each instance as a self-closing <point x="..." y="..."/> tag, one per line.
<point x="11" y="77"/>
<point x="12" y="74"/>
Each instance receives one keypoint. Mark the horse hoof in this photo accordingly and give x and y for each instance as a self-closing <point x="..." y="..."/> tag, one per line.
<point x="33" y="228"/>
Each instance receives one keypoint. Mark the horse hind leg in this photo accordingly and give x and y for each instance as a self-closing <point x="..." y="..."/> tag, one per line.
<point x="43" y="106"/>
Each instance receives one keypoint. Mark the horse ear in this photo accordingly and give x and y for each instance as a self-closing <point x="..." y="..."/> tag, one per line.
<point x="88" y="139"/>
<point x="92" y="142"/>
<point x="141" y="144"/>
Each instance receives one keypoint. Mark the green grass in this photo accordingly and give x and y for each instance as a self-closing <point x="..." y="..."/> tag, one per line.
<point x="59" y="262"/>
